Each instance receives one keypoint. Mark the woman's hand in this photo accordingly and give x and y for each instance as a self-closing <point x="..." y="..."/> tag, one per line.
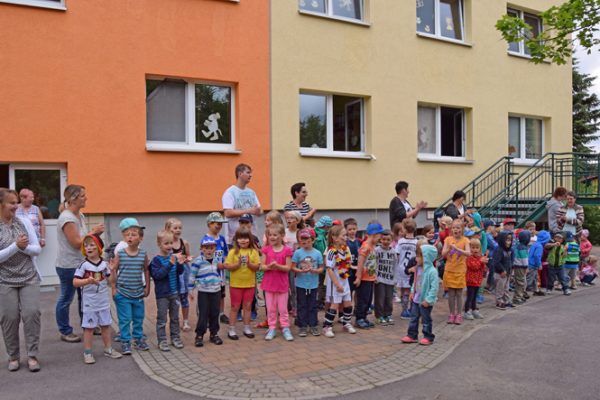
<point x="22" y="242"/>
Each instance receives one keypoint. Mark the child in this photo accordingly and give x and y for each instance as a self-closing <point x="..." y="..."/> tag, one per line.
<point x="181" y="246"/>
<point x="294" y="223"/>
<point x="206" y="276"/>
<point x="490" y="234"/>
<point x="585" y="246"/>
<point x="243" y="261"/>
<point x="338" y="261"/>
<point x="456" y="250"/>
<point x="307" y="264"/>
<point x="397" y="233"/>
<point x="321" y="243"/>
<point x="589" y="271"/>
<point x="406" y="249"/>
<point x="501" y="264"/>
<point x="445" y="223"/>
<point x="91" y="277"/>
<point x="476" y="265"/>
<point x="215" y="222"/>
<point x="246" y="221"/>
<point x="165" y="270"/>
<point x="530" y="226"/>
<point x="131" y="283"/>
<point x="276" y="263"/>
<point x="423" y="296"/>
<point x="354" y="244"/>
<point x="366" y="273"/>
<point x="520" y="264"/>
<point x="535" y="262"/>
<point x="556" y="260"/>
<point x="571" y="259"/>
<point x="430" y="235"/>
<point x="387" y="258"/>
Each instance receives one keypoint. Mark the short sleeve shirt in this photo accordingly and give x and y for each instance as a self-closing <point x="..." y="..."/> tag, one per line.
<point x="276" y="281"/>
<point x="370" y="265"/>
<point x="386" y="265"/>
<point x="94" y="297"/>
<point x="312" y="258"/>
<point x="304" y="209"/>
<point x="235" y="198"/>
<point x="243" y="277"/>
<point x="68" y="256"/>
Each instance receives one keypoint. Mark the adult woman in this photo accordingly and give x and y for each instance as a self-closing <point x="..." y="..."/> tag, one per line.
<point x="400" y="208"/>
<point x="19" y="282"/>
<point x="457" y="208"/>
<point x="29" y="210"/>
<point x="571" y="216"/>
<point x="553" y="206"/>
<point x="298" y="203"/>
<point x="71" y="230"/>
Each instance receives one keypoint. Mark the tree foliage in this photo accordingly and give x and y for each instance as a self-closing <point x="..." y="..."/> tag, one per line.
<point x="574" y="20"/>
<point x="586" y="111"/>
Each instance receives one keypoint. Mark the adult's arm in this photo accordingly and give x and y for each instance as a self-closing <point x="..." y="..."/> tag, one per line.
<point x="42" y="226"/>
<point x="72" y="234"/>
<point x="228" y="202"/>
<point x="33" y="248"/>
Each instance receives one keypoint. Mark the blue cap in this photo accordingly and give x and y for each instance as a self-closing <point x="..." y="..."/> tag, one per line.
<point x="324" y="221"/>
<point x="246" y="218"/>
<point x="569" y="236"/>
<point x="208" y="241"/>
<point x="129" y="222"/>
<point x="374" y="229"/>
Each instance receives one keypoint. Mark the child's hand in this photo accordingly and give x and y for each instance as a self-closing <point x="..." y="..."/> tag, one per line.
<point x="340" y="288"/>
<point x="181" y="259"/>
<point x="411" y="270"/>
<point x="173" y="259"/>
<point x="425" y="304"/>
<point x="92" y="281"/>
<point x="485" y="259"/>
<point x="147" y="291"/>
<point x="220" y="266"/>
<point x="191" y="296"/>
<point x="410" y="298"/>
<point x="357" y="282"/>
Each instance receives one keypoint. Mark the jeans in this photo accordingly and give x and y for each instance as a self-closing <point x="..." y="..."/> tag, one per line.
<point x="208" y="313"/>
<point x="417" y="312"/>
<point x="63" y="304"/>
<point x="364" y="295"/>
<point x="167" y="305"/>
<point x="307" y="307"/>
<point x="532" y="280"/>
<point x="130" y="313"/>
<point x="277" y="304"/>
<point x="16" y="304"/>
<point x="384" y="298"/>
<point x="554" y="274"/>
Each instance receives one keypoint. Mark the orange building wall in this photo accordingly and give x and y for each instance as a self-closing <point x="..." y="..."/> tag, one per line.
<point x="73" y="91"/>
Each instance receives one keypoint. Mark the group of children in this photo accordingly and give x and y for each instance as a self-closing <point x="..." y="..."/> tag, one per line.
<point x="298" y="266"/>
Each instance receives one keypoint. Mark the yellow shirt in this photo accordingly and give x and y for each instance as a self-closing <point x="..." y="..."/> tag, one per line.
<point x="243" y="277"/>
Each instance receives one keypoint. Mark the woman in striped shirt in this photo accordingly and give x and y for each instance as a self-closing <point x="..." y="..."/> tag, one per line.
<point x="299" y="194"/>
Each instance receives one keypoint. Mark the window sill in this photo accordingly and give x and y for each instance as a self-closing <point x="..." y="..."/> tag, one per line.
<point x="444" y="39"/>
<point x="38" y="3"/>
<point x="451" y="160"/>
<point x="177" y="148"/>
<point x="520" y="162"/>
<point x="334" y="154"/>
<point x="335" y="18"/>
<point x="524" y="56"/>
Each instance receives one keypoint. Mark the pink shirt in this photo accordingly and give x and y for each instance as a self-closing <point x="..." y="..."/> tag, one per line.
<point x="276" y="281"/>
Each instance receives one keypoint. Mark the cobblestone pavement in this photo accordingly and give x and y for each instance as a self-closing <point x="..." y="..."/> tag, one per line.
<point x="310" y="367"/>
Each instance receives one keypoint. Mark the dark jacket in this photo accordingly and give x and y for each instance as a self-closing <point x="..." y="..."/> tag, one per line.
<point x="502" y="258"/>
<point x="452" y="211"/>
<point x="160" y="274"/>
<point x="397" y="211"/>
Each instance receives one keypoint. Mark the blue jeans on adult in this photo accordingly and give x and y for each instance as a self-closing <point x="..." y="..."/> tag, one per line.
<point x="130" y="313"/>
<point x="63" y="304"/>
<point x="417" y="312"/>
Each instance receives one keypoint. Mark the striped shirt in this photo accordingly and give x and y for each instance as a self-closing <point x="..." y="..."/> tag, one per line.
<point x="130" y="281"/>
<point x="304" y="209"/>
<point x="205" y="275"/>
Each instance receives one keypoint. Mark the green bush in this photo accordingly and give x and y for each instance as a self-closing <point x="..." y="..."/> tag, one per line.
<point x="592" y="223"/>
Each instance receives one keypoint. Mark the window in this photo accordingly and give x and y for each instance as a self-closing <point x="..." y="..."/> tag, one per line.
<point x="54" y="4"/>
<point x="441" y="18"/>
<point x="536" y="28"/>
<point x="525" y="138"/>
<point x="345" y="9"/>
<point x="331" y="123"/>
<point x="441" y="132"/>
<point x="190" y="116"/>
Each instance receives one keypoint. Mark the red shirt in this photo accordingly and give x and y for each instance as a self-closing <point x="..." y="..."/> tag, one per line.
<point x="475" y="270"/>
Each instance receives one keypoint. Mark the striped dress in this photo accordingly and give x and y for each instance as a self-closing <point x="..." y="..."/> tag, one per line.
<point x="130" y="276"/>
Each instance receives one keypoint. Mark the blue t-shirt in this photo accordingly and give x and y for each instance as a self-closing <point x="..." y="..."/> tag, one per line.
<point x="313" y="258"/>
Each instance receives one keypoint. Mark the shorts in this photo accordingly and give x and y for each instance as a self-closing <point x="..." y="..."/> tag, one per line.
<point x="94" y="319"/>
<point x="402" y="279"/>
<point x="241" y="296"/>
<point x="184" y="300"/>
<point x="334" y="297"/>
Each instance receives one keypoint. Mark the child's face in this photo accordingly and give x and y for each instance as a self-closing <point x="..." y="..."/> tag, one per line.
<point x="132" y="237"/>
<point x="476" y="250"/>
<point x="457" y="230"/>
<point x="274" y="238"/>
<point x="531" y="229"/>
<point x="215" y="227"/>
<point x="385" y="241"/>
<point x="306" y="243"/>
<point x="91" y="250"/>
<point x="165" y="245"/>
<point x="351" y="230"/>
<point x="208" y="250"/>
<point x="375" y="238"/>
<point x="290" y="220"/>
<point x="430" y="234"/>
<point x="559" y="239"/>
<point x="341" y="239"/>
<point x="509" y="227"/>
<point x="246" y="224"/>
<point x="176" y="229"/>
<point x="243" y="243"/>
<point x="508" y="241"/>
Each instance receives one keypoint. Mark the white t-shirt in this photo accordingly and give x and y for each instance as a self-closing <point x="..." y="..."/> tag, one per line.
<point x="235" y="198"/>
<point x="407" y="206"/>
<point x="94" y="297"/>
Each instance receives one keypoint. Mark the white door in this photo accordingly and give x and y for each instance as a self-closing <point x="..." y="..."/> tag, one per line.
<point x="48" y="182"/>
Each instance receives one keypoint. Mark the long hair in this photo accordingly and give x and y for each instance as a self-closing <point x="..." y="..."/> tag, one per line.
<point x="243" y="233"/>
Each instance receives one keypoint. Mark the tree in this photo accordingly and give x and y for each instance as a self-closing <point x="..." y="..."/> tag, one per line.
<point x="574" y="20"/>
<point x="313" y="132"/>
<point x="586" y="111"/>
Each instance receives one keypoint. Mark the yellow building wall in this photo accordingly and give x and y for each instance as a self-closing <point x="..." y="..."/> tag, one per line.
<point x="395" y="69"/>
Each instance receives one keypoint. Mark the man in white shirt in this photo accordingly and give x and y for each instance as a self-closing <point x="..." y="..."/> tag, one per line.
<point x="238" y="199"/>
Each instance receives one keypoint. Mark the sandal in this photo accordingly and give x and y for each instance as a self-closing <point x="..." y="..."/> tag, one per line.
<point x="14" y="365"/>
<point x="33" y="364"/>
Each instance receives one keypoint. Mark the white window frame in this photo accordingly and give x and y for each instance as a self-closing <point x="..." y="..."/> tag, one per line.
<point x="53" y="5"/>
<point x="308" y="151"/>
<point x="521" y="43"/>
<point x="523" y="138"/>
<point x="329" y="12"/>
<point x="190" y="144"/>
<point x="438" y="31"/>
<point x="438" y="135"/>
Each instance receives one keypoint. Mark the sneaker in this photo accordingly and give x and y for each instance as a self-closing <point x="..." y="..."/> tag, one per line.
<point x="539" y="293"/>
<point x="405" y="314"/>
<point x="397" y="299"/>
<point x="390" y="320"/>
<point x="198" y="341"/>
<point x="585" y="284"/>
<point x="112" y="353"/>
<point x="70" y="338"/>
<point x="177" y="343"/>
<point x="215" y="339"/>
<point x="477" y="314"/>
<point x="239" y="315"/>
<point x="186" y="326"/>
<point x="264" y="324"/>
<point x="479" y="298"/>
<point x="381" y="321"/>
<point x="548" y="291"/>
<point x="349" y="328"/>
<point x="224" y="319"/>
<point x="126" y="348"/>
<point x="469" y="315"/>
<point x="511" y="305"/>
<point x="302" y="332"/>
<point x="518" y="302"/>
<point x="117" y="338"/>
<point x="526" y="296"/>
<point x="425" y="341"/>
<point x="141" y="345"/>
<point x="88" y="358"/>
<point x="573" y="287"/>
<point x="253" y="315"/>
<point x="567" y="292"/>
<point x="451" y="318"/>
<point x="500" y="306"/>
<point x="287" y="334"/>
<point x="314" y="330"/>
<point x="328" y="332"/>
<point x="371" y="325"/>
<point x="362" y="324"/>
<point x="458" y="319"/>
<point x="270" y="334"/>
<point x="407" y="339"/>
<point x="14" y="365"/>
<point x="163" y="346"/>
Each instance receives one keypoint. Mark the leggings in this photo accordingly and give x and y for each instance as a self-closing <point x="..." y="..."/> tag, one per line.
<point x="455" y="300"/>
<point x="471" y="302"/>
